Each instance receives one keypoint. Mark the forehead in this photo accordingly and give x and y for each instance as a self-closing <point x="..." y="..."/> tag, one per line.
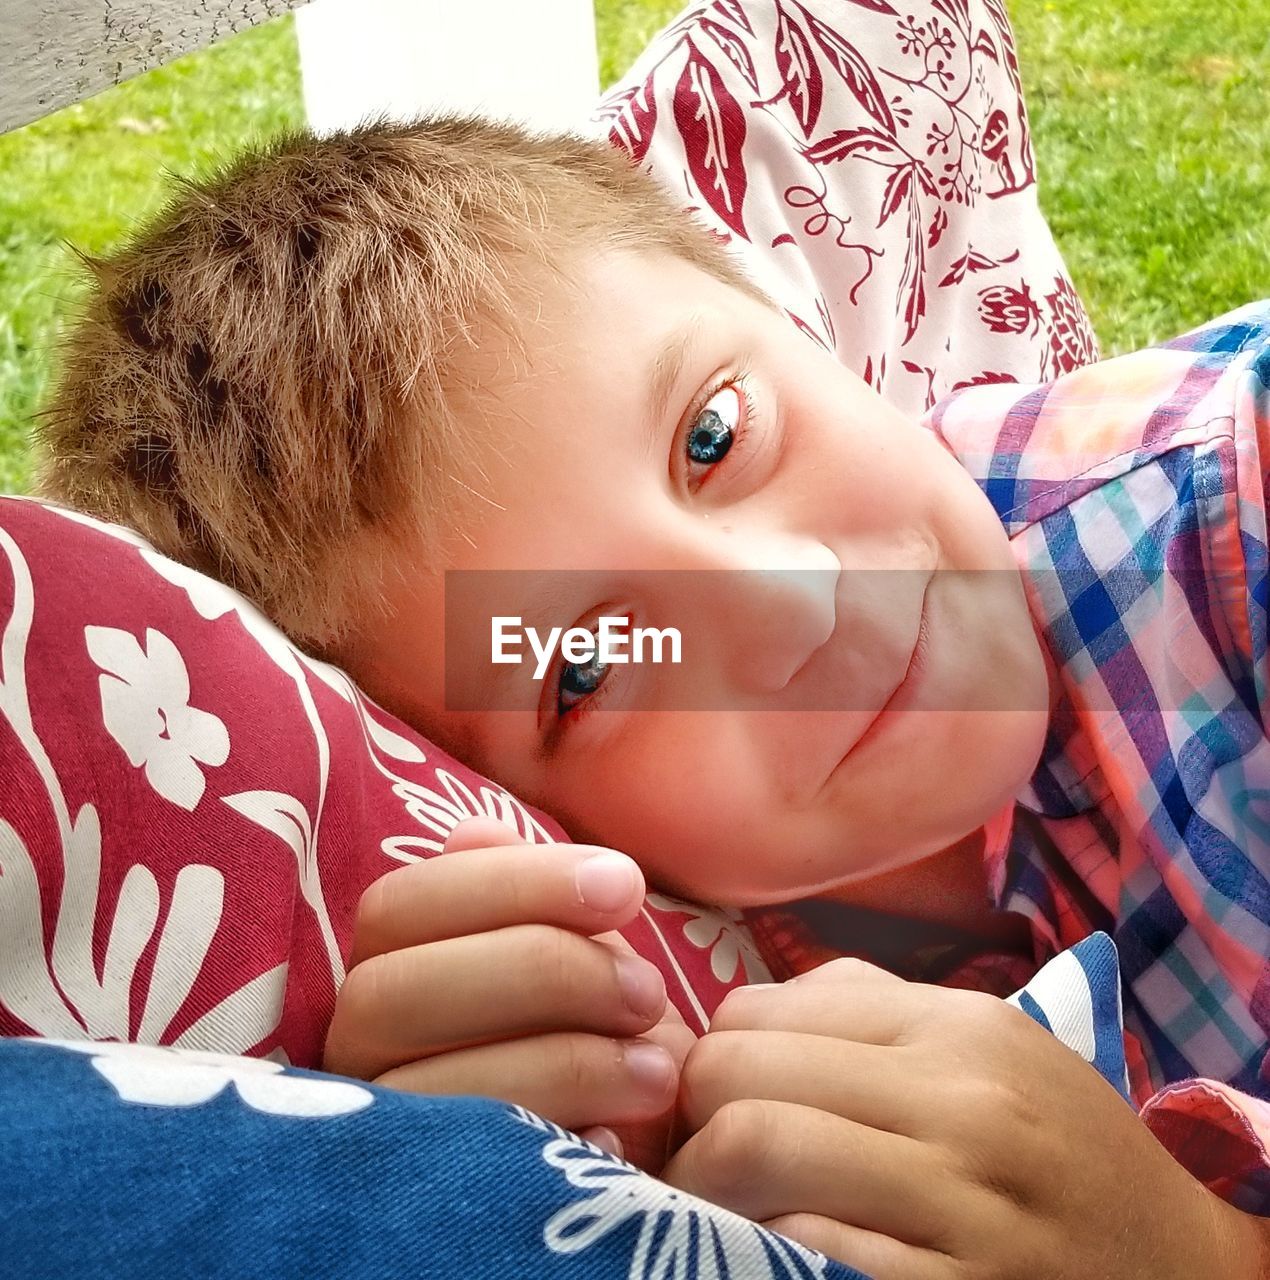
<point x="615" y="305"/>
<point x="603" y="352"/>
<point x="573" y="433"/>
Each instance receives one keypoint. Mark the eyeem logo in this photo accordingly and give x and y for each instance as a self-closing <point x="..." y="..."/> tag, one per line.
<point x="612" y="642"/>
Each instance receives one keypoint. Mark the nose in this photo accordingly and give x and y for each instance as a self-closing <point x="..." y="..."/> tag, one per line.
<point x="767" y="602"/>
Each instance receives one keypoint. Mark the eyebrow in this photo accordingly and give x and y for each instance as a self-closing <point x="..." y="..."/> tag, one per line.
<point x="667" y="370"/>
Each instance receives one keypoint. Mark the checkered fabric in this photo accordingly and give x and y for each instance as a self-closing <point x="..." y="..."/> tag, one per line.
<point x="1135" y="496"/>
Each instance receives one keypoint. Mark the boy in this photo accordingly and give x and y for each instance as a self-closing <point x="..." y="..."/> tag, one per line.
<point x="330" y="395"/>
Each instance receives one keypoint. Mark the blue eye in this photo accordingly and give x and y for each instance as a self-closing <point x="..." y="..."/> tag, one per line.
<point x="710" y="439"/>
<point x="578" y="681"/>
<point x="713" y="432"/>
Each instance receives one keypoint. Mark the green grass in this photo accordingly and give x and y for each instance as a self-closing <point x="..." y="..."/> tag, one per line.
<point x="90" y="174"/>
<point x="1149" y="116"/>
<point x="1153" y="149"/>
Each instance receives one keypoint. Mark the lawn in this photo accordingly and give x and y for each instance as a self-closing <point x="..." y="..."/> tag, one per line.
<point x="91" y="173"/>
<point x="1149" y="119"/>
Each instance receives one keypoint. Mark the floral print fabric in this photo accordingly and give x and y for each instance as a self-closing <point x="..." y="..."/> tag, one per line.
<point x="872" y="166"/>
<point x="191" y="808"/>
<point x="168" y="1161"/>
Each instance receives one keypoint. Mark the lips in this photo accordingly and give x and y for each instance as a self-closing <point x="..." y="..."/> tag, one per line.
<point x="905" y="694"/>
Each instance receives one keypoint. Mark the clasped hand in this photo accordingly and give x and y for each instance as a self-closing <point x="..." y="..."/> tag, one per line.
<point x="913" y="1132"/>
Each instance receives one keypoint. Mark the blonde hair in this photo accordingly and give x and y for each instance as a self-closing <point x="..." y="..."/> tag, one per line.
<point x="262" y="382"/>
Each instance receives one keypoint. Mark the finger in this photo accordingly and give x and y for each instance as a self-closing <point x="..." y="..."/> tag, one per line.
<point x="481" y="833"/>
<point x="851" y="969"/>
<point x="580" y="887"/>
<point x="878" y="1086"/>
<point x="526" y="980"/>
<point x="764" y="1159"/>
<point x="847" y="998"/>
<point x="572" y="1079"/>
<point x="674" y="1035"/>
<point x="648" y="1144"/>
<point x="605" y="1139"/>
<point x="644" y="1143"/>
<point x="670" y="1014"/>
<point x="868" y="1252"/>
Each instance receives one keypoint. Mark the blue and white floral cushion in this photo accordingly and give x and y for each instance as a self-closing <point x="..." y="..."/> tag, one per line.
<point x="123" y="1160"/>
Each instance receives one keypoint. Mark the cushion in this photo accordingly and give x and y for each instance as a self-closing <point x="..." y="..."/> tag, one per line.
<point x="191" y="809"/>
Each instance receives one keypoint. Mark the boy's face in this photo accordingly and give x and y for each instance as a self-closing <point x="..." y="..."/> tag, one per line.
<point x="603" y="460"/>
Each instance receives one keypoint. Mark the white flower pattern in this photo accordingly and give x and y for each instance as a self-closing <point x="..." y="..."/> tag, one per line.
<point x="163" y="1077"/>
<point x="435" y="809"/>
<point x="145" y="706"/>
<point x="721" y="932"/>
<point x="680" y="1235"/>
<point x="278" y="812"/>
<point x="441" y="813"/>
<point x="70" y="992"/>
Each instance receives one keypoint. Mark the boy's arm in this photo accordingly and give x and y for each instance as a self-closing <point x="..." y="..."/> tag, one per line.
<point x="930" y="1134"/>
<point x="490" y="971"/>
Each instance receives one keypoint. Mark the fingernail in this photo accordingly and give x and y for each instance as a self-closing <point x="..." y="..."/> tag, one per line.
<point x="641" y="985"/>
<point x="605" y="1139"/>
<point x="605" y="881"/>
<point x="650" y="1065"/>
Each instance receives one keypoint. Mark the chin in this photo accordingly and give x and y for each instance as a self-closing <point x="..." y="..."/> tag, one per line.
<point x="978" y="764"/>
<point x="999" y="762"/>
<point x="1001" y="771"/>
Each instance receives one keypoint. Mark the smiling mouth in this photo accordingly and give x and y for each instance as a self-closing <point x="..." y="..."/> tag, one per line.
<point x="905" y="692"/>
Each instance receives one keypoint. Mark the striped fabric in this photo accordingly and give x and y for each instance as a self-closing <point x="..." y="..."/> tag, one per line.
<point x="1077" y="998"/>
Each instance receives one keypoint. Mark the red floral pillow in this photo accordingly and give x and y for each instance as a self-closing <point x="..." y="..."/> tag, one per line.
<point x="190" y="809"/>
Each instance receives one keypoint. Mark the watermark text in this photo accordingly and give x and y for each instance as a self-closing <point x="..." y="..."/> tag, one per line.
<point x="612" y="641"/>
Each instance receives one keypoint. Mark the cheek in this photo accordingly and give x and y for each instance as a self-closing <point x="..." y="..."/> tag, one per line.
<point x="864" y="452"/>
<point x="676" y="792"/>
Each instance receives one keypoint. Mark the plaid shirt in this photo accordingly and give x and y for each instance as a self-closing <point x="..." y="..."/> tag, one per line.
<point x="1135" y="495"/>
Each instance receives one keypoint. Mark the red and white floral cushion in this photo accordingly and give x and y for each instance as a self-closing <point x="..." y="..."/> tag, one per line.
<point x="190" y="809"/>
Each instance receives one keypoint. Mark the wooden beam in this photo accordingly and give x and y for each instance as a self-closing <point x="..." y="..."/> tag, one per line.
<point x="55" y="52"/>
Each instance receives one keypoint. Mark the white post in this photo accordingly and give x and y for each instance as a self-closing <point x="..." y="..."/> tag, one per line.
<point x="533" y="61"/>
